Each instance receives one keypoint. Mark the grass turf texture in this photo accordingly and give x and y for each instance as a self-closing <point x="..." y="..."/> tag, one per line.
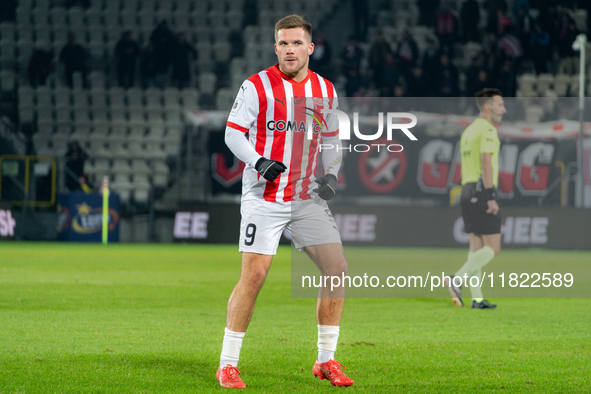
<point x="81" y="318"/>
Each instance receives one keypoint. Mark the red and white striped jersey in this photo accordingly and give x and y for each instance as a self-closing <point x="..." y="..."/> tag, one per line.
<point x="272" y="108"/>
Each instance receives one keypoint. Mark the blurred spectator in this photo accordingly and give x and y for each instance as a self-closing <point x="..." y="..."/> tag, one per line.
<point x="164" y="42"/>
<point x="320" y="58"/>
<point x="148" y="66"/>
<point x="360" y="18"/>
<point x="517" y="4"/>
<point x="510" y="56"/>
<point x="390" y="75"/>
<point x="416" y="86"/>
<point x="377" y="58"/>
<point x="540" y="49"/>
<point x="236" y="44"/>
<point x="7" y="10"/>
<point x="39" y="67"/>
<point x="492" y="8"/>
<point x="523" y="27"/>
<point x="354" y="84"/>
<point x="448" y="81"/>
<point x="566" y="39"/>
<point x="561" y="20"/>
<point x="507" y="80"/>
<point x="407" y="53"/>
<point x="75" y="158"/>
<point x="74" y="57"/>
<point x="446" y="30"/>
<point x="352" y="55"/>
<point x="503" y="23"/>
<point x="427" y="12"/>
<point x="85" y="184"/>
<point x="566" y="51"/>
<point x="127" y="52"/>
<point x="430" y="65"/>
<point x="182" y="56"/>
<point x="476" y="77"/>
<point x="470" y="17"/>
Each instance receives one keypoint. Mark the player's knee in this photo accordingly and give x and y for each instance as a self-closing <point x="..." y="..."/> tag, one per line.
<point x="337" y="269"/>
<point x="256" y="279"/>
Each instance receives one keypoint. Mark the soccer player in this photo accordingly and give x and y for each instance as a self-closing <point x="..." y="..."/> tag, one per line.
<point x="480" y="208"/>
<point x="280" y="191"/>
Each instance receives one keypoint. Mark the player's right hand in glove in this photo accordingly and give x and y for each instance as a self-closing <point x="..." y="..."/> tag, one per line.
<point x="327" y="188"/>
<point x="269" y="169"/>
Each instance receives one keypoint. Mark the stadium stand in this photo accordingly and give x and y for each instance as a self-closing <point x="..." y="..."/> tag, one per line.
<point x="136" y="134"/>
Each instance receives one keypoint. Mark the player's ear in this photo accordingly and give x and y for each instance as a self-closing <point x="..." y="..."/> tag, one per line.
<point x="310" y="49"/>
<point x="275" y="45"/>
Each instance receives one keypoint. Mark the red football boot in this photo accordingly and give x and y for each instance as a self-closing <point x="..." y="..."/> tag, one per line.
<point x="229" y="377"/>
<point x="331" y="370"/>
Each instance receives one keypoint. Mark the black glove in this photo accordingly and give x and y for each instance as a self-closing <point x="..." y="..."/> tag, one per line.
<point x="269" y="169"/>
<point x="328" y="187"/>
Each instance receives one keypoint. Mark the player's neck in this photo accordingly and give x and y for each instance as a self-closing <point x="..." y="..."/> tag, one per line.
<point x="486" y="117"/>
<point x="297" y="76"/>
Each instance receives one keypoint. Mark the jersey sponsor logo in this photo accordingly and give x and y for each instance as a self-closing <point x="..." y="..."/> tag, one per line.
<point x="225" y="175"/>
<point x="434" y="166"/>
<point x="291" y="126"/>
<point x="281" y="101"/>
<point x="533" y="170"/>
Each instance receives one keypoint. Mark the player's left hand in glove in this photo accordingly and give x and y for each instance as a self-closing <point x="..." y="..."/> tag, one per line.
<point x="328" y="187"/>
<point x="270" y="169"/>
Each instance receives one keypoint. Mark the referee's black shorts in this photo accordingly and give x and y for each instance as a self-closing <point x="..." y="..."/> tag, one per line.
<point x="474" y="207"/>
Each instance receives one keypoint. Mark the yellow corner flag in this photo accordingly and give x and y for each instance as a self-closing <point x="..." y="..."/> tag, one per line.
<point x="105" y="192"/>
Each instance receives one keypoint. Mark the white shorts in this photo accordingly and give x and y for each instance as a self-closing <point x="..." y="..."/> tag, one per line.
<point x="309" y="223"/>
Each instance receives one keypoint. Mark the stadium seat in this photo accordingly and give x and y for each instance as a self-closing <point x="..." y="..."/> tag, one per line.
<point x="545" y="82"/>
<point x="135" y="97"/>
<point x="527" y="81"/>
<point x="57" y="16"/>
<point x="171" y="96"/>
<point x="24" y="32"/>
<point x="93" y="17"/>
<point x="76" y="18"/>
<point x="140" y="167"/>
<point x="207" y="83"/>
<point x="225" y="99"/>
<point x="190" y="97"/>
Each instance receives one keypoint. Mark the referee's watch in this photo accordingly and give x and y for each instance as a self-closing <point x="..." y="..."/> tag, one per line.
<point x="491" y="194"/>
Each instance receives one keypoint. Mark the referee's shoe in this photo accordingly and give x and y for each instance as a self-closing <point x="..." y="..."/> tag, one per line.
<point x="484" y="304"/>
<point x="455" y="291"/>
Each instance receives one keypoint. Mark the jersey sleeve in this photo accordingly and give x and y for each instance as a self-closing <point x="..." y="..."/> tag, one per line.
<point x="245" y="109"/>
<point x="489" y="140"/>
<point x="332" y="121"/>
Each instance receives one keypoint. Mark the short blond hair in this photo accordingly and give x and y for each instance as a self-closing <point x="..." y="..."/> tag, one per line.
<point x="292" y="22"/>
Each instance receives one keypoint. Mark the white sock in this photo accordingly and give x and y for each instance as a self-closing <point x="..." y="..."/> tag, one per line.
<point x="328" y="336"/>
<point x="231" y="348"/>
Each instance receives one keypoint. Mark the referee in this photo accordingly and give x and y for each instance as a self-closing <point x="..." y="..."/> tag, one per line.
<point x="480" y="209"/>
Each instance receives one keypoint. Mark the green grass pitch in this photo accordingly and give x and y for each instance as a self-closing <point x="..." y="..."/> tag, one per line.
<point x="81" y="318"/>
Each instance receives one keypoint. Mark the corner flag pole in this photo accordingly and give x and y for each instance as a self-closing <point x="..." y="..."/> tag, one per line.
<point x="105" y="193"/>
<point x="580" y="44"/>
